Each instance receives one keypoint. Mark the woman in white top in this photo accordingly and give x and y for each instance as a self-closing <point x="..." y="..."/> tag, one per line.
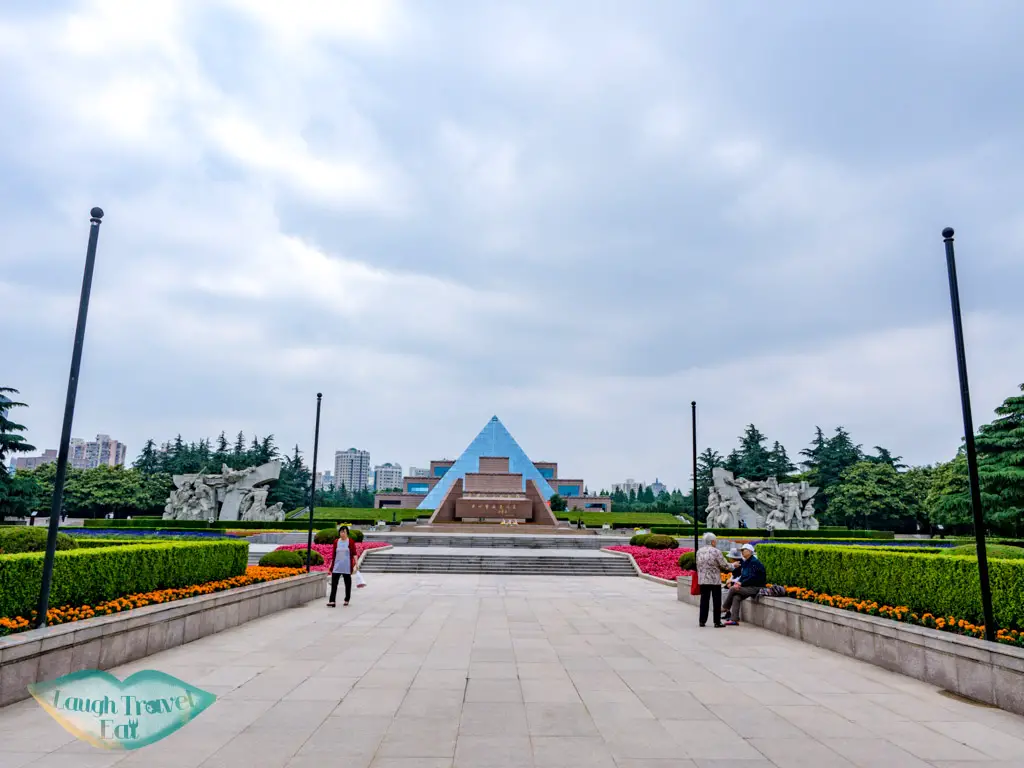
<point x="343" y="566"/>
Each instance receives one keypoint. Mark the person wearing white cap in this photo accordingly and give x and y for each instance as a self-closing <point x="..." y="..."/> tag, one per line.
<point x="752" y="577"/>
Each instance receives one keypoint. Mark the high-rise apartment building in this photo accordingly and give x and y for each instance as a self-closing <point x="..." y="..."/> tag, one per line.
<point x="387" y="477"/>
<point x="91" y="454"/>
<point x="351" y="469"/>
<point x="31" y="462"/>
<point x="326" y="479"/>
<point x="626" y="487"/>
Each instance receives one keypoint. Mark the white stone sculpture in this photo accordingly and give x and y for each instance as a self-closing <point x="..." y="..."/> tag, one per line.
<point x="735" y="502"/>
<point x="233" y="494"/>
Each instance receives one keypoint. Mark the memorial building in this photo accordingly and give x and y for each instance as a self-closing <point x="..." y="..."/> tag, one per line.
<point x="493" y="480"/>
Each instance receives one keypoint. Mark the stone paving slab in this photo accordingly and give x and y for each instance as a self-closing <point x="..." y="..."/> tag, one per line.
<point x="466" y="671"/>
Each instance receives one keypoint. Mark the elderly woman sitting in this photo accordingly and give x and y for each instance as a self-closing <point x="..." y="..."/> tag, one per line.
<point x="710" y="565"/>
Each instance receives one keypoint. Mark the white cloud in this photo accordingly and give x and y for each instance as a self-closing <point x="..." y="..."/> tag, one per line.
<point x="576" y="218"/>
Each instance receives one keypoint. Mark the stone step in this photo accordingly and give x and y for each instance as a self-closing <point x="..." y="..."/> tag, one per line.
<point x="598" y="565"/>
<point x="491" y="541"/>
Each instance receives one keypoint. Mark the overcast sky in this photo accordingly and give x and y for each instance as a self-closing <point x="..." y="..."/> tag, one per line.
<point x="579" y="216"/>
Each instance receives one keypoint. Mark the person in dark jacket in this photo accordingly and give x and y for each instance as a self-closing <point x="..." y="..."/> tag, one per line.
<point x="752" y="577"/>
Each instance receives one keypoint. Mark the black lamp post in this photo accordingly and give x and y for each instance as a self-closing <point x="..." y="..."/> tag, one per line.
<point x="693" y="413"/>
<point x="312" y="483"/>
<point x="96" y="216"/>
<point x="972" y="453"/>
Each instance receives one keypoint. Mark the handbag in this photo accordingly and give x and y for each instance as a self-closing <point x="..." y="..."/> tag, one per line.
<point x="694" y="584"/>
<point x="360" y="581"/>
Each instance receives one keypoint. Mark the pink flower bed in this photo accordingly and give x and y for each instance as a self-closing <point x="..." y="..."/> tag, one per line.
<point x="663" y="563"/>
<point x="326" y="550"/>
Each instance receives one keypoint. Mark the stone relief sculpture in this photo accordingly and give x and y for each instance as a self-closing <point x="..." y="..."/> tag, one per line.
<point x="735" y="502"/>
<point x="232" y="494"/>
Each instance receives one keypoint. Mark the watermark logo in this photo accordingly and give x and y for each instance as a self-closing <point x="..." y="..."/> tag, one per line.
<point x="106" y="712"/>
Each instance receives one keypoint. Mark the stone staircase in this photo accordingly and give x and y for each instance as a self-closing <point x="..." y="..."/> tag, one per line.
<point x="495" y="541"/>
<point x="598" y="564"/>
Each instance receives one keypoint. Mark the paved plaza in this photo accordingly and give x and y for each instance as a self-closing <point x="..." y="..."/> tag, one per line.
<point x="487" y="671"/>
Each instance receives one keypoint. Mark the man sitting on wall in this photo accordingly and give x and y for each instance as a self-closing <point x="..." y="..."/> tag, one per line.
<point x="752" y="577"/>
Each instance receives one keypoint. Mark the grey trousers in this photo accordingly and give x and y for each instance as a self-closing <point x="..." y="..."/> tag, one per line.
<point x="737" y="595"/>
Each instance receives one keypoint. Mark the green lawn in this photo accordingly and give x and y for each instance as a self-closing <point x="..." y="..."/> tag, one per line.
<point x="362" y="515"/>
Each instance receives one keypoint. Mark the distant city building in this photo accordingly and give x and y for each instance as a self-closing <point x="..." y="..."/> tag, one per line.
<point x="418" y="472"/>
<point x="31" y="462"/>
<point x="626" y="487"/>
<point x="387" y="477"/>
<point x="352" y="469"/>
<point x="658" y="487"/>
<point x="327" y="479"/>
<point x="104" y="450"/>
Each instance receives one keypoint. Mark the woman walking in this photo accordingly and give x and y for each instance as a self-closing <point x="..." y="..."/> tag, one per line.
<point x="710" y="565"/>
<point x="344" y="565"/>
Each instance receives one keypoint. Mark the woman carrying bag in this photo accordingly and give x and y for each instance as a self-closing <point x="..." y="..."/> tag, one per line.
<point x="710" y="565"/>
<point x="343" y="565"/>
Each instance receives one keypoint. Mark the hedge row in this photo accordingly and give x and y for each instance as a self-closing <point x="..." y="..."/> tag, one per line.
<point x="365" y="514"/>
<point x="195" y="525"/>
<point x="90" y="576"/>
<point x="761" y="533"/>
<point x="925" y="583"/>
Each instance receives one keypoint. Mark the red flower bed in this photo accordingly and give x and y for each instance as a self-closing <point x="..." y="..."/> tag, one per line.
<point x="326" y="549"/>
<point x="663" y="563"/>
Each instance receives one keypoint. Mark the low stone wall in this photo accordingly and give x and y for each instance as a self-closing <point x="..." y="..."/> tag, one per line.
<point x="109" y="641"/>
<point x="992" y="673"/>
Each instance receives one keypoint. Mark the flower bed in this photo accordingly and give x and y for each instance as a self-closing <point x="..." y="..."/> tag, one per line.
<point x="327" y="549"/>
<point x="663" y="563"/>
<point x="904" y="614"/>
<point x="253" y="575"/>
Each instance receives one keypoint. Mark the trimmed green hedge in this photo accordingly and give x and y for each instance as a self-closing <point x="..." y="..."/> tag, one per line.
<point x="368" y="514"/>
<point x="90" y="576"/>
<point x="925" y="583"/>
<point x="195" y="525"/>
<point x="760" y="533"/>
<point x="27" y="538"/>
<point x="657" y="541"/>
<point x="618" y="519"/>
<point x="286" y="558"/>
<point x="84" y="543"/>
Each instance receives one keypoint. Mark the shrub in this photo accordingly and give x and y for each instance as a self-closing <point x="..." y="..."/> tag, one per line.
<point x="761" y="533"/>
<point x="688" y="561"/>
<point x="283" y="558"/>
<point x="638" y="539"/>
<point x="943" y="585"/>
<point x="315" y="558"/>
<point x="325" y="536"/>
<point x="29" y="538"/>
<point x="993" y="550"/>
<point x="91" y="576"/>
<point x="657" y="541"/>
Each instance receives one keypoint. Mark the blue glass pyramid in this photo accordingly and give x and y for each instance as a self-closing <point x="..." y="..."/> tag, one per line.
<point x="493" y="440"/>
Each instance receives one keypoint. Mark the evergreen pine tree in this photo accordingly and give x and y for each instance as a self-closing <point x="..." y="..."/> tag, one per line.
<point x="884" y="456"/>
<point x="779" y="464"/>
<point x="706" y="463"/>
<point x="149" y="460"/>
<point x="10" y="440"/>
